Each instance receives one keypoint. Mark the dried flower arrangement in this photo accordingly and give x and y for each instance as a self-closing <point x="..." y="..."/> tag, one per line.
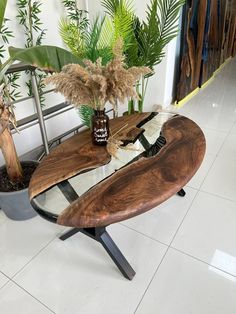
<point x="95" y="84"/>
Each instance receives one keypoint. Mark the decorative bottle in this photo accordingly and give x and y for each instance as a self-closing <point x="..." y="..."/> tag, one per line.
<point x="100" y="127"/>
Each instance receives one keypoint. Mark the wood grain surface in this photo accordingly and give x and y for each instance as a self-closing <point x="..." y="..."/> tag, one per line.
<point x="78" y="154"/>
<point x="143" y="184"/>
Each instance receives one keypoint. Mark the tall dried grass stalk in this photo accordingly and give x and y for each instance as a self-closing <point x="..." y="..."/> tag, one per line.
<point x="94" y="84"/>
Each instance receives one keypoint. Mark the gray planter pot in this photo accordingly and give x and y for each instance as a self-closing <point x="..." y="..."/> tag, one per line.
<point x="16" y="205"/>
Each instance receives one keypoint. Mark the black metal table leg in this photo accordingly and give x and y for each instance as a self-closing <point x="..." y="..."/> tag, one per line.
<point x="100" y="235"/>
<point x="116" y="255"/>
<point x="69" y="234"/>
<point x="181" y="193"/>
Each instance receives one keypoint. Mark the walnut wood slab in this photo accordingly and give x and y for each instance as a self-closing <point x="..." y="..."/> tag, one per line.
<point x="143" y="184"/>
<point x="78" y="154"/>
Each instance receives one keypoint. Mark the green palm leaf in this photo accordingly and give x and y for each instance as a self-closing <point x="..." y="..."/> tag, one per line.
<point x="168" y="17"/>
<point x="3" y="4"/>
<point x="122" y="14"/>
<point x="72" y="37"/>
<point x="94" y="49"/>
<point x="152" y="35"/>
<point x="48" y="58"/>
<point x="113" y="6"/>
<point x="106" y="38"/>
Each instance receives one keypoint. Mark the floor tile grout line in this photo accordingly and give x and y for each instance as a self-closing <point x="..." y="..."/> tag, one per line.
<point x="33" y="296"/>
<point x="182" y="221"/>
<point x="183" y="253"/>
<point x="150" y="282"/>
<point x="169" y="247"/>
<point x="5" y="275"/>
<point x="33" y="257"/>
<point x="8" y="279"/>
<point x="217" y="155"/>
<point x="145" y="235"/>
<point x="214" y="160"/>
<point x="199" y="260"/>
<point x="218" y="196"/>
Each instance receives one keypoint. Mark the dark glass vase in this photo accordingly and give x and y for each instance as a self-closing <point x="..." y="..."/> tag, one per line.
<point x="100" y="127"/>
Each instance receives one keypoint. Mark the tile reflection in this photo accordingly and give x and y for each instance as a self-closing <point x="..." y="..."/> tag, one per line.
<point x="225" y="262"/>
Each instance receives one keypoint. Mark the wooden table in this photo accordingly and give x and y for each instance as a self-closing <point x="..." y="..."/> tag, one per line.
<point x="80" y="185"/>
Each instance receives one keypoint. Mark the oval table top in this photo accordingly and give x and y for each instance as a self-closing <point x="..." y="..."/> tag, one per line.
<point x="167" y="151"/>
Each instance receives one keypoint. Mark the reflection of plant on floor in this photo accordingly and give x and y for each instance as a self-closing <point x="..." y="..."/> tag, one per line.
<point x="28" y="16"/>
<point x="95" y="84"/>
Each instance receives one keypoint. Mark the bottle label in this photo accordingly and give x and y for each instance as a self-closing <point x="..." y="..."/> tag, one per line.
<point x="100" y="135"/>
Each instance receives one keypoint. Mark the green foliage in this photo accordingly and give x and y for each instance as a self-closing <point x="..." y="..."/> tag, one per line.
<point x="152" y="35"/>
<point x="73" y="29"/>
<point x="13" y="86"/>
<point x="94" y="47"/>
<point x="96" y="39"/>
<point x="28" y="16"/>
<point x="122" y="15"/>
<point x="85" y="113"/>
<point x="87" y="41"/>
<point x="113" y="6"/>
<point x="84" y="40"/>
<point x="75" y="14"/>
<point x="70" y="34"/>
<point x="148" y="38"/>
<point x="10" y="80"/>
<point x="3" y="4"/>
<point x="47" y="58"/>
<point x="5" y="35"/>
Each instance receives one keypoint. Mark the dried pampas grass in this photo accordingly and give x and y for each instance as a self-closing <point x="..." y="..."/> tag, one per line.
<point x="94" y="84"/>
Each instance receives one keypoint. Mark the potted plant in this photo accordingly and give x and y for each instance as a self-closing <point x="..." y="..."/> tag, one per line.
<point x="95" y="84"/>
<point x="147" y="38"/>
<point x="144" y="41"/>
<point x="15" y="175"/>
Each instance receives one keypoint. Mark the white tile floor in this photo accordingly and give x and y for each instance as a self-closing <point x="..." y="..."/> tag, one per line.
<point x="184" y="251"/>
